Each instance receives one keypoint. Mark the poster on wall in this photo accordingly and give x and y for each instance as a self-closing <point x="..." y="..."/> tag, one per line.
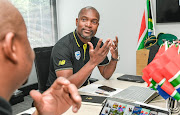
<point x="167" y="11"/>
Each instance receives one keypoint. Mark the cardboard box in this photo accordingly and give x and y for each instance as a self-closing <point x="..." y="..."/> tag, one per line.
<point x="141" y="60"/>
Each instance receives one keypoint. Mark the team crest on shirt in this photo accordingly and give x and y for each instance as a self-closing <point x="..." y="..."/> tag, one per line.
<point x="78" y="55"/>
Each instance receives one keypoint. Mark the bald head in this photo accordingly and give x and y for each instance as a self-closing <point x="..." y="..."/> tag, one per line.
<point x="10" y="19"/>
<point x="86" y="9"/>
<point x="16" y="57"/>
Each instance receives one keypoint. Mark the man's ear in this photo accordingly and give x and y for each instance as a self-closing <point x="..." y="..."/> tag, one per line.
<point x="76" y="21"/>
<point x="9" y="47"/>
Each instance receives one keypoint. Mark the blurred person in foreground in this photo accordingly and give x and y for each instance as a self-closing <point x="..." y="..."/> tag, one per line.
<point x="16" y="59"/>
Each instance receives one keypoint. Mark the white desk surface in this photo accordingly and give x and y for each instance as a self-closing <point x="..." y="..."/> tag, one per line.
<point x="112" y="82"/>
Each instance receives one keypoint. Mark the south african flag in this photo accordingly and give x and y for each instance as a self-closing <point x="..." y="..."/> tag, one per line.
<point x="146" y="28"/>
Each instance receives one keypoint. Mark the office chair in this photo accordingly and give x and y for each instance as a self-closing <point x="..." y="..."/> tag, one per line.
<point x="42" y="61"/>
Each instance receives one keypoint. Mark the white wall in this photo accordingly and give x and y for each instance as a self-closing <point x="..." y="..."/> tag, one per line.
<point x="120" y="18"/>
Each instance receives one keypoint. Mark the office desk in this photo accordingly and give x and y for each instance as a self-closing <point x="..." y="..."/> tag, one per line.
<point x="113" y="82"/>
<point x="87" y="109"/>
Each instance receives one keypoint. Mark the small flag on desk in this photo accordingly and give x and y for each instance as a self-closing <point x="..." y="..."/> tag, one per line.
<point x="164" y="71"/>
<point x="146" y="28"/>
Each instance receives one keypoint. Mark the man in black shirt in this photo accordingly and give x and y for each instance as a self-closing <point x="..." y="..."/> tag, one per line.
<point x="76" y="55"/>
<point x="16" y="59"/>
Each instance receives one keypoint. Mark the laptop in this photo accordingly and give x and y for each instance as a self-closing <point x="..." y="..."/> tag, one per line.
<point x="114" y="106"/>
<point x="132" y="78"/>
<point x="137" y="93"/>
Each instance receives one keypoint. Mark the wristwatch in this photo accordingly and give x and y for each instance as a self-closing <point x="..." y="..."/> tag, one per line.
<point x="115" y="59"/>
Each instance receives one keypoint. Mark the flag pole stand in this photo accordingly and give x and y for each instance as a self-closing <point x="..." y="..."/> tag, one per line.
<point x="172" y="106"/>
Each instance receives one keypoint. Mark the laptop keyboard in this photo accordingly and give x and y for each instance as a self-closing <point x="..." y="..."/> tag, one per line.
<point x="136" y="93"/>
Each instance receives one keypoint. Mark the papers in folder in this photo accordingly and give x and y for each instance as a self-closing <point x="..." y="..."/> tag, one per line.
<point x="93" y="89"/>
<point x="29" y="111"/>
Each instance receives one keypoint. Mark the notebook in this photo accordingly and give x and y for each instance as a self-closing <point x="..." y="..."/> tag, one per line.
<point x="93" y="100"/>
<point x="137" y="93"/>
<point x="132" y="78"/>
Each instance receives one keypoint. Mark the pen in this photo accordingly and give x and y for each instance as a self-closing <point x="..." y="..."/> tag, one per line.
<point x="102" y="93"/>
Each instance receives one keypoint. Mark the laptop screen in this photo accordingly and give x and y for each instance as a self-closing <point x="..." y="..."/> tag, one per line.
<point x="114" y="106"/>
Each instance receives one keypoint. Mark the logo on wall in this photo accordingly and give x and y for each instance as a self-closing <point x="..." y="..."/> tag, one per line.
<point x="77" y="55"/>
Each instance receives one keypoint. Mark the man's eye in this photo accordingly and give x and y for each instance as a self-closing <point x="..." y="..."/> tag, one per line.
<point x="94" y="22"/>
<point x="83" y="19"/>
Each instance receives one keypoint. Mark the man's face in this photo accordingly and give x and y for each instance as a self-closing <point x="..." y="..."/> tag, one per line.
<point x="87" y="23"/>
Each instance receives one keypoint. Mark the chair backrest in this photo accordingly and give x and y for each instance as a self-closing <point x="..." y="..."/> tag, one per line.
<point x="42" y="61"/>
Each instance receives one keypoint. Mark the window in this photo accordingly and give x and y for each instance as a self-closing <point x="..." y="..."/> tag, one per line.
<point x="41" y="20"/>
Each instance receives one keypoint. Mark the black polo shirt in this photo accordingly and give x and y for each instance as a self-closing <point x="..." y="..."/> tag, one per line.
<point x="70" y="53"/>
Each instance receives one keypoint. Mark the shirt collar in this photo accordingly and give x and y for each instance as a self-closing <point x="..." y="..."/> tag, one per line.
<point x="79" y="42"/>
<point x="77" y="39"/>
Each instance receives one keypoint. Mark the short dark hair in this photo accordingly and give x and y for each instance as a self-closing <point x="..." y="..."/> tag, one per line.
<point x="88" y="8"/>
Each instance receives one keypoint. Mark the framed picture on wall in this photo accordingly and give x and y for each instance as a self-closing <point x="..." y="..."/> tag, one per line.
<point x="167" y="11"/>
